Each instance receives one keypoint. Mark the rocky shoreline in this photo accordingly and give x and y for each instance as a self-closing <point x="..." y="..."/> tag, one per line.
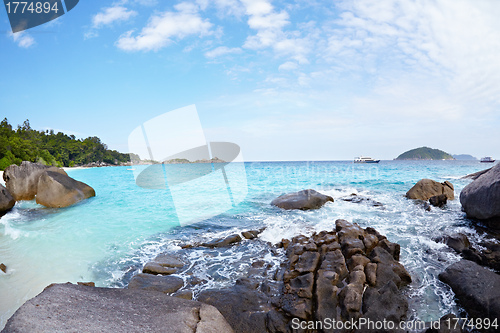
<point x="346" y="274"/>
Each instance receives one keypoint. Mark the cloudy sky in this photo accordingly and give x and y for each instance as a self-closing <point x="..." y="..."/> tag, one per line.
<point x="286" y="80"/>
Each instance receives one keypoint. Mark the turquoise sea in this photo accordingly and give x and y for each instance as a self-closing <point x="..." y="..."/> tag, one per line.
<point x="108" y="238"/>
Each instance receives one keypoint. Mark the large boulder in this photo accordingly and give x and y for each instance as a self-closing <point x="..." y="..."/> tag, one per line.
<point x="481" y="198"/>
<point x="304" y="200"/>
<point x="57" y="190"/>
<point x="72" y="308"/>
<point x="477" y="288"/>
<point x="425" y="189"/>
<point x="22" y="181"/>
<point x="6" y="200"/>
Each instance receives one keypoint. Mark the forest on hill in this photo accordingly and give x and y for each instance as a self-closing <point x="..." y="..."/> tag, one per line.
<point x="58" y="149"/>
<point x="425" y="153"/>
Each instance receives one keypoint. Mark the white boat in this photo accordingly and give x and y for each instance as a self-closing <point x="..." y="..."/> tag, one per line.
<point x="364" y="159"/>
<point x="487" y="159"/>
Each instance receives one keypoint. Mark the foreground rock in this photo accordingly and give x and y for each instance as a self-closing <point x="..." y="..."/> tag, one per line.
<point x="476" y="288"/>
<point x="345" y="274"/>
<point x="22" y="181"/>
<point x="481" y="198"/>
<point x="57" y="190"/>
<point x="426" y="188"/>
<point x="6" y="200"/>
<point x="303" y="200"/>
<point x="72" y="308"/>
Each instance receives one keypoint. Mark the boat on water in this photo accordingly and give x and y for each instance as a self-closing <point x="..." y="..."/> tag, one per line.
<point x="364" y="159"/>
<point x="487" y="159"/>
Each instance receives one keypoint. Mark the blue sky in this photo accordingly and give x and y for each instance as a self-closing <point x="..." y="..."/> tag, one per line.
<point x="294" y="80"/>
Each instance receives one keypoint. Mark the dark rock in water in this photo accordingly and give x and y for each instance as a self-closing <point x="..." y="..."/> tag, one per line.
<point x="88" y="284"/>
<point x="304" y="200"/>
<point x="447" y="324"/>
<point x="354" y="198"/>
<point x="164" y="284"/>
<point x="57" y="190"/>
<point x="426" y="188"/>
<point x="22" y="181"/>
<point x="72" y="308"/>
<point x="481" y="198"/>
<point x="164" y="264"/>
<point x="476" y="175"/>
<point x="458" y="242"/>
<point x="250" y="234"/>
<point x="6" y="200"/>
<point x="3" y="268"/>
<point x="438" y="200"/>
<point x="476" y="288"/>
<point x="223" y="242"/>
<point x="243" y="305"/>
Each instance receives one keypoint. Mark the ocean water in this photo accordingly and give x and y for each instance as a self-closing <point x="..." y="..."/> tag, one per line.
<point x="108" y="238"/>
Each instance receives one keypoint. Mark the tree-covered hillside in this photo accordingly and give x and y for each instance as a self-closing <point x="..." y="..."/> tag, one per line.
<point x="47" y="147"/>
<point x="425" y="153"/>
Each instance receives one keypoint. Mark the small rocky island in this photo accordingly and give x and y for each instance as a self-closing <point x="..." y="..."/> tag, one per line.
<point x="424" y="153"/>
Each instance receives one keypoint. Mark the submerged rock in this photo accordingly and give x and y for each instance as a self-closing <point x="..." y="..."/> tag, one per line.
<point x="426" y="188"/>
<point x="72" y="308"/>
<point x="303" y="200"/>
<point x="235" y="238"/>
<point x="354" y="198"/>
<point x="3" y="268"/>
<point x="57" y="190"/>
<point x="438" y="200"/>
<point x="6" y="200"/>
<point x="481" y="198"/>
<point x="476" y="288"/>
<point x="164" y="284"/>
<point x="22" y="181"/>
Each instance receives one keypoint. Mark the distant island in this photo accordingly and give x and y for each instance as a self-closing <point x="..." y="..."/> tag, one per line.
<point x="55" y="149"/>
<point x="425" y="153"/>
<point x="464" y="157"/>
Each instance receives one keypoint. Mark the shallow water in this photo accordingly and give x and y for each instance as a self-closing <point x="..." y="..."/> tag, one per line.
<point x="108" y="238"/>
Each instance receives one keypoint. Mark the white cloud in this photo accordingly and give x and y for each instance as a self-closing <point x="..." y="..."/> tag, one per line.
<point x="164" y="27"/>
<point x="222" y="50"/>
<point x="22" y="39"/>
<point x="112" y="14"/>
<point x="288" y="66"/>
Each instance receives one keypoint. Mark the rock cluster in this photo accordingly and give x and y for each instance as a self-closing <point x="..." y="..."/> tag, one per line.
<point x="354" y="198"/>
<point x="344" y="274"/>
<point x="51" y="186"/>
<point x="303" y="200"/>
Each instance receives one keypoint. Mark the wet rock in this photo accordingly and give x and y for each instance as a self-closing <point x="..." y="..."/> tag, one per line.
<point x="447" y="324"/>
<point x="308" y="262"/>
<point x="458" y="242"/>
<point x="3" y="268"/>
<point x="58" y="190"/>
<point x="6" y="200"/>
<point x="476" y="288"/>
<point x="438" y="200"/>
<point x="385" y="303"/>
<point x="185" y="294"/>
<point x="164" y="264"/>
<point x="88" y="284"/>
<point x="303" y="200"/>
<point x="250" y="234"/>
<point x="235" y="238"/>
<point x="354" y="198"/>
<point x="426" y="188"/>
<point x="243" y="305"/>
<point x="481" y="198"/>
<point x="72" y="308"/>
<point x="164" y="284"/>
